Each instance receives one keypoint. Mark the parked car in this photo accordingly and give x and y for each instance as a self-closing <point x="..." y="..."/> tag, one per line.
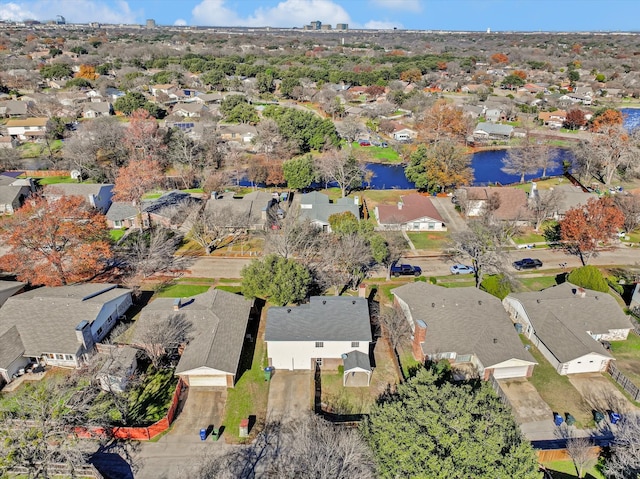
<point x="384" y="144"/>
<point x="364" y="143"/>
<point x="462" y="269"/>
<point x="405" y="269"/>
<point x="527" y="263"/>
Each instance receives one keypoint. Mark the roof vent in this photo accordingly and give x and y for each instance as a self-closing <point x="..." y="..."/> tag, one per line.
<point x="324" y="301"/>
<point x="538" y="301"/>
<point x="480" y="302"/>
<point x="433" y="305"/>
<point x="288" y="310"/>
<point x="596" y="297"/>
<point x="495" y="340"/>
<point x="353" y="301"/>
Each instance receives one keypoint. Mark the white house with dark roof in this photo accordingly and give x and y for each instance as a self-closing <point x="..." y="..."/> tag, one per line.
<point x="463" y="326"/>
<point x="13" y="192"/>
<point x="413" y="213"/>
<point x="58" y="326"/>
<point x="319" y="333"/>
<point x="28" y="128"/>
<point x="317" y="208"/>
<point x="218" y="326"/>
<point x="566" y="323"/>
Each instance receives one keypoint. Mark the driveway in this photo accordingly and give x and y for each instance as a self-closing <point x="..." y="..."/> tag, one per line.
<point x="216" y="267"/>
<point x="204" y="407"/>
<point x="525" y="401"/>
<point x="289" y="395"/>
<point x="447" y="210"/>
<point x="600" y="393"/>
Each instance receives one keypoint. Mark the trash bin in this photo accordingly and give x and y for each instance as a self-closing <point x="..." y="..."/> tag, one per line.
<point x="570" y="420"/>
<point x="215" y="434"/>
<point x="203" y="434"/>
<point x="614" y="417"/>
<point x="268" y="371"/>
<point x="244" y="428"/>
<point x="598" y="416"/>
<point x="557" y="419"/>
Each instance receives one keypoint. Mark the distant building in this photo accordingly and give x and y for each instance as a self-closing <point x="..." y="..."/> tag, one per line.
<point x="325" y="27"/>
<point x="151" y="23"/>
<point x="342" y="26"/>
<point x="316" y="25"/>
<point x="60" y="20"/>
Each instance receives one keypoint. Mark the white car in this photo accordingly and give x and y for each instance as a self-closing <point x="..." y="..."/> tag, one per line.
<point x="462" y="269"/>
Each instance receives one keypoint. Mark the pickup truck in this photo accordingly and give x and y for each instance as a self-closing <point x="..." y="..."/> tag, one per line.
<point x="527" y="263"/>
<point x="405" y="269"/>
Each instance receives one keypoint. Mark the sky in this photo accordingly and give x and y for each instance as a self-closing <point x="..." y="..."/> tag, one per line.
<point x="474" y="15"/>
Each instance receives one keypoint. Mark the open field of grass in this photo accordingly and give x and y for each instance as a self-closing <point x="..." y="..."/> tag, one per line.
<point x="557" y="391"/>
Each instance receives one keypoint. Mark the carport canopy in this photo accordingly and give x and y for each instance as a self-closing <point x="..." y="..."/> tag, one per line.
<point x="356" y="362"/>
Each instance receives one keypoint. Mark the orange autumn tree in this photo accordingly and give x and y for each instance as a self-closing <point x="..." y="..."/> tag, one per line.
<point x="87" y="72"/>
<point x="584" y="228"/>
<point x="55" y="243"/>
<point x="136" y="179"/>
<point x="499" y="58"/>
<point x="606" y="119"/>
<point x="443" y="120"/>
<point x="143" y="139"/>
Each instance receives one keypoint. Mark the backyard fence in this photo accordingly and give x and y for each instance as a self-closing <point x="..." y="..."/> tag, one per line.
<point x="551" y="455"/>
<point x="62" y="470"/>
<point x="498" y="389"/>
<point x="624" y="381"/>
<point x="45" y="173"/>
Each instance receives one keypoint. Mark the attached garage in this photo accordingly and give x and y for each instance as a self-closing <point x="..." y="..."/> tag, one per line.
<point x="206" y="377"/>
<point x="590" y="363"/>
<point x="513" y="368"/>
<point x="207" y="381"/>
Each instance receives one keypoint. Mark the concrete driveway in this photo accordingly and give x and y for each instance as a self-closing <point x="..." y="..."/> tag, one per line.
<point x="600" y="393"/>
<point x="289" y="395"/>
<point x="203" y="407"/>
<point x="527" y="404"/>
<point x="447" y="210"/>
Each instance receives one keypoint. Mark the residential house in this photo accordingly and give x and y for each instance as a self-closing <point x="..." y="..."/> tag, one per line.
<point x="494" y="115"/>
<point x="165" y="88"/>
<point x="95" y="194"/>
<point x="58" y="326"/>
<point x="27" y="129"/>
<point x="503" y="203"/>
<point x="189" y="110"/>
<point x="404" y="134"/>
<point x="97" y="109"/>
<point x="553" y="119"/>
<point x="465" y="326"/>
<point x="412" y="213"/>
<point x="169" y="211"/>
<point x="473" y="111"/>
<point x="566" y="323"/>
<point x="119" y="366"/>
<point x="492" y="131"/>
<point x="239" y="133"/>
<point x="13" y="192"/>
<point x="253" y="211"/>
<point x="123" y="215"/>
<point x="571" y="197"/>
<point x="218" y="325"/>
<point x="208" y="98"/>
<point x="317" y="334"/>
<point x="9" y="288"/>
<point x="317" y="208"/>
<point x="13" y="108"/>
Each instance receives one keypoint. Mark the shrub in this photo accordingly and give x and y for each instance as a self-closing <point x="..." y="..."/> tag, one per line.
<point x="496" y="285"/>
<point x="612" y="281"/>
<point x="421" y="278"/>
<point x="433" y="280"/>
<point x="589" y="277"/>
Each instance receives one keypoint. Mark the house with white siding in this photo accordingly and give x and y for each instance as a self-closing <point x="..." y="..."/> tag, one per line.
<point x="567" y="322"/>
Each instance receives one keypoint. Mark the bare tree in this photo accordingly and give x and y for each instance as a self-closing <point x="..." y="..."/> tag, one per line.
<point x="624" y="462"/>
<point x="268" y="139"/>
<point x="311" y="448"/>
<point x="295" y="236"/>
<point x="212" y="225"/>
<point x="349" y="129"/>
<point x="396" y="325"/>
<point x="9" y="158"/>
<point x="582" y="453"/>
<point x="630" y="206"/>
<point x="543" y="204"/>
<point x="343" y="169"/>
<point x="483" y="243"/>
<point x="161" y="339"/>
<point x="345" y="260"/>
<point x="521" y="161"/>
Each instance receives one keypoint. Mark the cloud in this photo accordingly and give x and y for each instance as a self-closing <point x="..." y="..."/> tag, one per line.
<point x="287" y="13"/>
<point x="401" y="5"/>
<point x="180" y="22"/>
<point x="74" y="11"/>
<point x="382" y="25"/>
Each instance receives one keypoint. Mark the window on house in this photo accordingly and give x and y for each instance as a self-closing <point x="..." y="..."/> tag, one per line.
<point x="117" y="223"/>
<point x="355" y="344"/>
<point x="60" y="356"/>
<point x="50" y="355"/>
<point x="416" y="226"/>
<point x="319" y="344"/>
<point x="431" y="225"/>
<point x="319" y="361"/>
<point x="68" y="357"/>
<point x="99" y="331"/>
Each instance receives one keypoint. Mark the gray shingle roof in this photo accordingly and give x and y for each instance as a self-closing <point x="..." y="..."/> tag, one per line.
<point x="8" y="289"/>
<point x="464" y="321"/>
<point x="562" y="319"/>
<point x="8" y="194"/>
<point x="316" y="207"/>
<point x="495" y="129"/>
<point x="219" y="320"/>
<point x="247" y="210"/>
<point x="46" y="318"/>
<point x="356" y="360"/>
<point x="121" y="210"/>
<point x="11" y="347"/>
<point x="78" y="189"/>
<point x="324" y="318"/>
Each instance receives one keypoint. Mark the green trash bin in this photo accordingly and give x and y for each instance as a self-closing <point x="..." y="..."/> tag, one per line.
<point x="570" y="420"/>
<point x="215" y="434"/>
<point x="268" y="371"/>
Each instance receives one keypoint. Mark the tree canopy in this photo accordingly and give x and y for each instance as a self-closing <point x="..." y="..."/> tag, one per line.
<point x="436" y="429"/>
<point x="300" y="173"/>
<point x="308" y="130"/>
<point x="278" y="280"/>
<point x="439" y="165"/>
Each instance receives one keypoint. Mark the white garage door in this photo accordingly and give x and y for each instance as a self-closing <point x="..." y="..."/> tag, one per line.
<point x="195" y="381"/>
<point x="584" y="366"/>
<point x="512" y="372"/>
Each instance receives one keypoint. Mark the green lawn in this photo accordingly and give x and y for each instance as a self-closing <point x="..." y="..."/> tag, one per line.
<point x="537" y="283"/>
<point x="52" y="180"/>
<point x="182" y="290"/>
<point x="116" y="234"/>
<point x="376" y="153"/>
<point x="250" y="395"/>
<point x="458" y="284"/>
<point x="230" y="288"/>
<point x="557" y="391"/>
<point x="627" y="354"/>
<point x="34" y="150"/>
<point x="529" y="238"/>
<point x="433" y="240"/>
<point x="567" y="470"/>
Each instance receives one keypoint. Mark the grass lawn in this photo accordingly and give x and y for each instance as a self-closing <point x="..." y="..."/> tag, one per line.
<point x="375" y="153"/>
<point x="182" y="290"/>
<point x="116" y="234"/>
<point x="567" y="470"/>
<point x="230" y="288"/>
<point x="33" y="150"/>
<point x="194" y="190"/>
<point x="530" y="237"/>
<point x="52" y="180"/>
<point x="436" y="240"/>
<point x="536" y="283"/>
<point x="627" y="354"/>
<point x="471" y="283"/>
<point x="250" y="395"/>
<point x="407" y="361"/>
<point x="151" y="400"/>
<point x="557" y="391"/>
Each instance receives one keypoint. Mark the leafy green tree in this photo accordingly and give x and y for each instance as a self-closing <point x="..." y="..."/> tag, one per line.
<point x="512" y="82"/>
<point x="243" y="113"/>
<point x="496" y="285"/>
<point x="300" y="172"/>
<point x="56" y="70"/>
<point x="303" y="128"/>
<point x="213" y="78"/>
<point x="79" y="50"/>
<point x="433" y="428"/>
<point x="264" y="82"/>
<point x="287" y="85"/>
<point x="573" y="76"/>
<point x="589" y="277"/>
<point x="278" y="280"/>
<point x="346" y="223"/>
<point x="230" y="102"/>
<point x="130" y="102"/>
<point x="78" y="83"/>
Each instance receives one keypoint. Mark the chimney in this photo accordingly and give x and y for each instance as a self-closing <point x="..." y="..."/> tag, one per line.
<point x="419" y="336"/>
<point x="84" y="335"/>
<point x="362" y="291"/>
<point x="176" y="304"/>
<point x="581" y="293"/>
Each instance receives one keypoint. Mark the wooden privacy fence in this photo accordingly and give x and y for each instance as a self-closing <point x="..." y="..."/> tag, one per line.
<point x="62" y="470"/>
<point x="624" y="381"/>
<point x="45" y="173"/>
<point x="550" y="455"/>
<point x="139" y="433"/>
